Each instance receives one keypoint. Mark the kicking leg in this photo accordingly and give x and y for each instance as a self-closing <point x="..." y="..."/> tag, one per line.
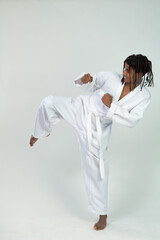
<point x="50" y="112"/>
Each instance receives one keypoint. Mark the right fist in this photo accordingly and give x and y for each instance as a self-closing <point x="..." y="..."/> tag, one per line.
<point x="87" y="78"/>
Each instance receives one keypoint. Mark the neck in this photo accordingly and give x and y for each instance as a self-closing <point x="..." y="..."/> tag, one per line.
<point x="127" y="86"/>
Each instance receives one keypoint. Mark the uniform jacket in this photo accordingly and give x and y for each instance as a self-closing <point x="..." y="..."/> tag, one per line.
<point x="127" y="111"/>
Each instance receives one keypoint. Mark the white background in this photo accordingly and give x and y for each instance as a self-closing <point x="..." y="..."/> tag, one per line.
<point x="44" y="45"/>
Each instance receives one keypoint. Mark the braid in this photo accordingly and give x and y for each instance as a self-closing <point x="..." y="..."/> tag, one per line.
<point x="140" y="64"/>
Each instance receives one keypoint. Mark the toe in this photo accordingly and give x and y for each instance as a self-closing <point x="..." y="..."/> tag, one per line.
<point x="95" y="227"/>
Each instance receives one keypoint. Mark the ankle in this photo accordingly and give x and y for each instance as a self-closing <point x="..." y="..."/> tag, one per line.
<point x="103" y="217"/>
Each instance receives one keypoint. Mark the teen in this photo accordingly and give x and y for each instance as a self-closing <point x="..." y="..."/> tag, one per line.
<point x="122" y="98"/>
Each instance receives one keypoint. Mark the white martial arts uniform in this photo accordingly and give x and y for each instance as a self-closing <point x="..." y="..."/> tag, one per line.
<point x="92" y="121"/>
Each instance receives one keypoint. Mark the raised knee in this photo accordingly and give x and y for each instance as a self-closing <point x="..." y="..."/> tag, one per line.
<point x="47" y="101"/>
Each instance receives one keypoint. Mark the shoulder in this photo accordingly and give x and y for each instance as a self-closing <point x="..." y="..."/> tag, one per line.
<point x="110" y="75"/>
<point x="145" y="92"/>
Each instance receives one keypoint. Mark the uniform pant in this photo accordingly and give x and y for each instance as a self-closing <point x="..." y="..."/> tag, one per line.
<point x="53" y="109"/>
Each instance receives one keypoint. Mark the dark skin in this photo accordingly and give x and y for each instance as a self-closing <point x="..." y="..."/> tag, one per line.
<point x="33" y="140"/>
<point x="107" y="100"/>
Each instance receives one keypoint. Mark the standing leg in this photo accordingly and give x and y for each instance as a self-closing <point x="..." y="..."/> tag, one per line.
<point x="97" y="188"/>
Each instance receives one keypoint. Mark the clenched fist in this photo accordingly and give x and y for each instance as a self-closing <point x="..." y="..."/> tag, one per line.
<point x="107" y="99"/>
<point x="87" y="78"/>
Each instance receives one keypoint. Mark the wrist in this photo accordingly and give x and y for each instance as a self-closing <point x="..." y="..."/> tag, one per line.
<point x="91" y="79"/>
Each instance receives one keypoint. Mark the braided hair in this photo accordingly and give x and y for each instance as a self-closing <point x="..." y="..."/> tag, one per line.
<point x="140" y="64"/>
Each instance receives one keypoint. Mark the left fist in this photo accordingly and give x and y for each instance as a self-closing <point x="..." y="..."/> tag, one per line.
<point x="107" y="99"/>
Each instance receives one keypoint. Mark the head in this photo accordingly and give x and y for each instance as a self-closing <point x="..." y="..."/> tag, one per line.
<point x="137" y="69"/>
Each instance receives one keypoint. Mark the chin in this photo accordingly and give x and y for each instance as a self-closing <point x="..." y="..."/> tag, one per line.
<point x="126" y="81"/>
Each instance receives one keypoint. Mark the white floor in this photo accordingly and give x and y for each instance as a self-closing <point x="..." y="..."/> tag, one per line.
<point x="38" y="204"/>
<point x="48" y="222"/>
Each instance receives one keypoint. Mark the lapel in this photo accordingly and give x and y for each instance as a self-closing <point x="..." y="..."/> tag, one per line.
<point x="128" y="96"/>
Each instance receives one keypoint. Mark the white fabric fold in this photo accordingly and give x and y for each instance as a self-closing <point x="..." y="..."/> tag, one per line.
<point x="99" y="136"/>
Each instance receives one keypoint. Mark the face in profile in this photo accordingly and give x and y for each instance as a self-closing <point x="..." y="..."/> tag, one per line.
<point x="130" y="75"/>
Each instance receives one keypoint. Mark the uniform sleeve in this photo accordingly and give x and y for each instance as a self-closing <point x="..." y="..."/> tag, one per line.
<point x="97" y="82"/>
<point x="127" y="118"/>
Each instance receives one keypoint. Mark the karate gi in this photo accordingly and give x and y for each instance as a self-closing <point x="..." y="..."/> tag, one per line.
<point x="92" y="121"/>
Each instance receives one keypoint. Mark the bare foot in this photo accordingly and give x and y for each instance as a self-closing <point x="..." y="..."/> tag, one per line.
<point x="101" y="224"/>
<point x="33" y="140"/>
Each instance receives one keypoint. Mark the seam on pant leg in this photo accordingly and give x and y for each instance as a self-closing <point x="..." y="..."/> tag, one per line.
<point x="88" y="158"/>
<point x="90" y="180"/>
<point x="100" y="210"/>
<point x="46" y="128"/>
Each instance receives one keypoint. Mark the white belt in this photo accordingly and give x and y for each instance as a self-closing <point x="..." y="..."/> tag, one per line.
<point x="99" y="135"/>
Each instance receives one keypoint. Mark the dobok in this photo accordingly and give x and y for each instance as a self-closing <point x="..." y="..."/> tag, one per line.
<point x="92" y="120"/>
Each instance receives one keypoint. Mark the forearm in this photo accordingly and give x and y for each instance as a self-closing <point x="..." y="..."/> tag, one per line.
<point x="95" y="83"/>
<point x="125" y="117"/>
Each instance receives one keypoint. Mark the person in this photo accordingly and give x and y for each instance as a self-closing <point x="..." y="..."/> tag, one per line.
<point x="121" y="98"/>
